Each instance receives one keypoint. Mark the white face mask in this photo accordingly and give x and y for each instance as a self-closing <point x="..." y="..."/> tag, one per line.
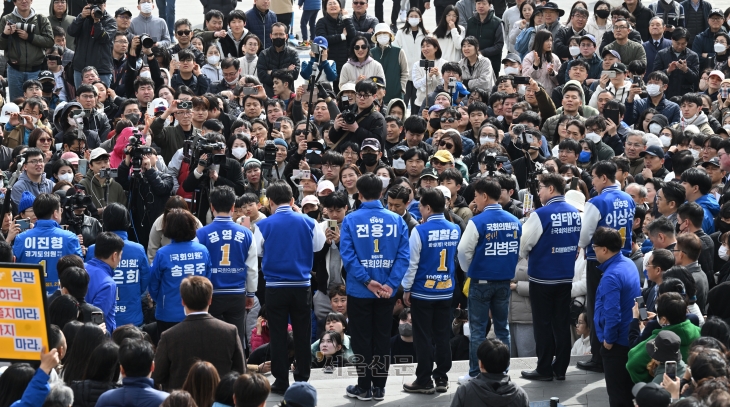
<point x="666" y="140"/>
<point x="467" y="330"/>
<point x="383" y="39"/>
<point x="399" y="164"/>
<point x="692" y="118"/>
<point x="653" y="89"/>
<point x="594" y="137"/>
<point x="510" y="70"/>
<point x="145" y="74"/>
<point x="723" y="253"/>
<point x="486" y="139"/>
<point x="145" y="8"/>
<point x="726" y="127"/>
<point x="574" y="51"/>
<point x="695" y="154"/>
<point x="385" y="181"/>
<point x="238" y="152"/>
<point x="414" y="21"/>
<point x="500" y="118"/>
<point x="720" y="47"/>
<point x="655" y="128"/>
<point x="213" y="59"/>
<point x="66" y="177"/>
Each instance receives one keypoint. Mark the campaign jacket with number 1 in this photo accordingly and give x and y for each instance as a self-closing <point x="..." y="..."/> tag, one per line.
<point x="234" y="258"/>
<point x="132" y="277"/>
<point x="373" y="245"/>
<point x="172" y="264"/>
<point x="611" y="208"/>
<point x="430" y="275"/>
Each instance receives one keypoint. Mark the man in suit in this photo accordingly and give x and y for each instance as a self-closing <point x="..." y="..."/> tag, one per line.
<point x="656" y="42"/>
<point x="198" y="337"/>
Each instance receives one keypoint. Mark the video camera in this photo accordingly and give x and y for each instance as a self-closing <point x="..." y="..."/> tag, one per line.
<point x="76" y="198"/>
<point x="137" y="152"/>
<point x="269" y="154"/>
<point x="192" y="151"/>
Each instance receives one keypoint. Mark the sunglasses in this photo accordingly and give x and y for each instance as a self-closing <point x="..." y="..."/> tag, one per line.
<point x="445" y="144"/>
<point x="447" y="120"/>
<point x="45" y="139"/>
<point x="301" y="133"/>
<point x="183" y="32"/>
<point x="360" y="47"/>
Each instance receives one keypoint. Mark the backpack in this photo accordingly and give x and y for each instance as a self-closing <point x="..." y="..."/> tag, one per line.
<point x="522" y="43"/>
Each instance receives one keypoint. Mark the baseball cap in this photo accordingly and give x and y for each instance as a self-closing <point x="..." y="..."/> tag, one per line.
<point x="310" y="199"/>
<point x="325" y="185"/>
<point x="158" y="105"/>
<point x="512" y="57"/>
<point x="370" y="143"/>
<point x="717" y="73"/>
<point x="664" y="347"/>
<point x="122" y="10"/>
<point x="322" y="42"/>
<point x="618" y="67"/>
<point x="71" y="157"/>
<point x="7" y="109"/>
<point x="612" y="52"/>
<point x="435" y="108"/>
<point x="301" y="394"/>
<point x="400" y="147"/>
<point x="429" y="172"/>
<point x="98" y="153"/>
<point x="713" y="161"/>
<point x="716" y="12"/>
<point x="651" y="395"/>
<point x="378" y="81"/>
<point x="588" y="37"/>
<point x="445" y="191"/>
<point x="46" y="75"/>
<point x="656" y="151"/>
<point x="444" y="156"/>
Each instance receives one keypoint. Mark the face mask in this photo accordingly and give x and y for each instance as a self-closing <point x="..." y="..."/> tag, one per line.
<point x="594" y="137"/>
<point x="231" y="83"/>
<point x="486" y="139"/>
<point x="602" y="13"/>
<point x="48" y="87"/>
<point x="213" y="59"/>
<point x="68" y="177"/>
<point x="314" y="214"/>
<point x="278" y="42"/>
<point x="510" y="70"/>
<point x="726" y="127"/>
<point x="435" y="123"/>
<point x="723" y="253"/>
<point x="720" y="47"/>
<point x="692" y="118"/>
<point x="132" y="117"/>
<point x="145" y="8"/>
<point x="145" y="74"/>
<point x="584" y="157"/>
<point x="414" y="21"/>
<point x="370" y="159"/>
<point x="238" y="152"/>
<point x="399" y="164"/>
<point x="666" y="140"/>
<point x="653" y="89"/>
<point x="405" y="330"/>
<point x="655" y="128"/>
<point x="722" y="226"/>
<point x="703" y="85"/>
<point x="383" y="39"/>
<point x="313" y="158"/>
<point x="500" y="118"/>
<point x="574" y="51"/>
<point x="695" y="154"/>
<point x="385" y="181"/>
<point x="706" y="111"/>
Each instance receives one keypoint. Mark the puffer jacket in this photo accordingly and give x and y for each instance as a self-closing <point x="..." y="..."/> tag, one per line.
<point x="94" y="43"/>
<point x="364" y="23"/>
<point x="270" y="59"/>
<point x="65" y="21"/>
<point x="371" y="124"/>
<point x="410" y="46"/>
<point x="99" y="123"/>
<point x="260" y="24"/>
<point x="643" y="15"/>
<point x="87" y="392"/>
<point x="27" y="55"/>
<point x="224" y="6"/>
<point x="331" y="29"/>
<point x="520" y="308"/>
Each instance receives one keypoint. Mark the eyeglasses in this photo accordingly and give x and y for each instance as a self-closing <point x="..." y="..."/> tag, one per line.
<point x="121" y="42"/>
<point x="359" y="3"/>
<point x="447" y="145"/>
<point x="349" y="154"/>
<point x="35" y="162"/>
<point x="637" y="145"/>
<point x="447" y="120"/>
<point x="45" y="139"/>
<point x="330" y="166"/>
<point x="183" y="33"/>
<point x="364" y="95"/>
<point x="86" y="96"/>
<point x="184" y="112"/>
<point x="620" y="27"/>
<point x="360" y="47"/>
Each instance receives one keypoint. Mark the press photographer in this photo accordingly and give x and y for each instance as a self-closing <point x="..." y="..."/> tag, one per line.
<point x="214" y="169"/>
<point x="362" y="122"/>
<point x="76" y="216"/>
<point x="25" y="37"/>
<point x="99" y="182"/>
<point x="148" y="188"/>
<point x="170" y="139"/>
<point x="93" y="30"/>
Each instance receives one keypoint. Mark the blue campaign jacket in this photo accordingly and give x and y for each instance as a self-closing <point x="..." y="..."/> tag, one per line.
<point x="36" y="392"/>
<point x="430" y="274"/>
<point x="132" y="278"/>
<point x="373" y="245"/>
<point x="171" y="265"/>
<point x="557" y="228"/>
<point x="102" y="290"/>
<point x="228" y="244"/>
<point x="612" y="208"/>
<point x="492" y="238"/>
<point x="45" y="244"/>
<point x="712" y="208"/>
<point x="135" y="391"/>
<point x="615" y="296"/>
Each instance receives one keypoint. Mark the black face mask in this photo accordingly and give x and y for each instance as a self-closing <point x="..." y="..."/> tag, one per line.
<point x="602" y="13"/>
<point x="45" y="114"/>
<point x="706" y="111"/>
<point x="435" y="123"/>
<point x="314" y="214"/>
<point x="132" y="117"/>
<point x="722" y="226"/>
<point x="278" y="42"/>
<point x="369" y="159"/>
<point x="48" y="87"/>
<point x="314" y="159"/>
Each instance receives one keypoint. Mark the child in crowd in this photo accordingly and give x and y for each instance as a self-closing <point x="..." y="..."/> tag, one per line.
<point x="582" y="345"/>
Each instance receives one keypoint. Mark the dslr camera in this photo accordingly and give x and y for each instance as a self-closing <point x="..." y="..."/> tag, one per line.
<point x="146" y="41"/>
<point x="25" y="27"/>
<point x="269" y="154"/>
<point x="425" y="63"/>
<point x="95" y="8"/>
<point x="137" y="152"/>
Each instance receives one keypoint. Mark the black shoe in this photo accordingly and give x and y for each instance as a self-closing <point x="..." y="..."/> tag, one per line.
<point x="559" y="377"/>
<point x="418" y="388"/>
<point x="442" y="385"/>
<point x="533" y="375"/>
<point x="590" y="366"/>
<point x="355" y="391"/>
<point x="279" y="389"/>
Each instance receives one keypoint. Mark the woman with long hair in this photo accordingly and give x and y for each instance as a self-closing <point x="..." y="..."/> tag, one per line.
<point x="86" y="340"/>
<point x="101" y="374"/>
<point x="524" y="37"/>
<point x="425" y="80"/>
<point x="157" y="238"/>
<point x="63" y="310"/>
<point x="588" y="155"/>
<point x="201" y="383"/>
<point x="13" y="382"/>
<point x="348" y="178"/>
<point x="542" y="64"/>
<point x="251" y="46"/>
<point x="360" y="65"/>
<point x="599" y="22"/>
<point x="333" y="26"/>
<point x="527" y="9"/>
<point x="42" y="138"/>
<point x="450" y="33"/>
<point x="409" y="39"/>
<point x="476" y="69"/>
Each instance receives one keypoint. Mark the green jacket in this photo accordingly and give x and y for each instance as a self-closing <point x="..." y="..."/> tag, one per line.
<point x="168" y="138"/>
<point x="98" y="193"/>
<point x="639" y="358"/>
<point x="396" y="69"/>
<point x="65" y="21"/>
<point x="27" y="55"/>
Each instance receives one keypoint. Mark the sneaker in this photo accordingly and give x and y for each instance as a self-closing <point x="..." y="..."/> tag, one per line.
<point x="378" y="393"/>
<point x="442" y="385"/>
<point x="328" y="369"/>
<point x="361" y="394"/>
<point x="417" y="388"/>
<point x="402" y="16"/>
<point x="465" y="379"/>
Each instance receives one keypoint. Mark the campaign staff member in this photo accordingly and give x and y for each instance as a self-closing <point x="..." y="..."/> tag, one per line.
<point x="375" y="253"/>
<point x="46" y="242"/>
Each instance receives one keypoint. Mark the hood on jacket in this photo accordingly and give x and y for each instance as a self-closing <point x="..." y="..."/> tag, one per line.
<point x="31" y="15"/>
<point x="494" y="390"/>
<point x="52" y="15"/>
<point x="580" y="86"/>
<point x="393" y="102"/>
<point x="699" y="121"/>
<point x="710" y="203"/>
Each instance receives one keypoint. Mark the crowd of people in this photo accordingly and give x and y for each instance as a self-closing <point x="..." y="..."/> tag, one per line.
<point x="561" y="179"/>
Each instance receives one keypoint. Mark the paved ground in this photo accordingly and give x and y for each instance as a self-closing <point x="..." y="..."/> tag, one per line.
<point x="579" y="389"/>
